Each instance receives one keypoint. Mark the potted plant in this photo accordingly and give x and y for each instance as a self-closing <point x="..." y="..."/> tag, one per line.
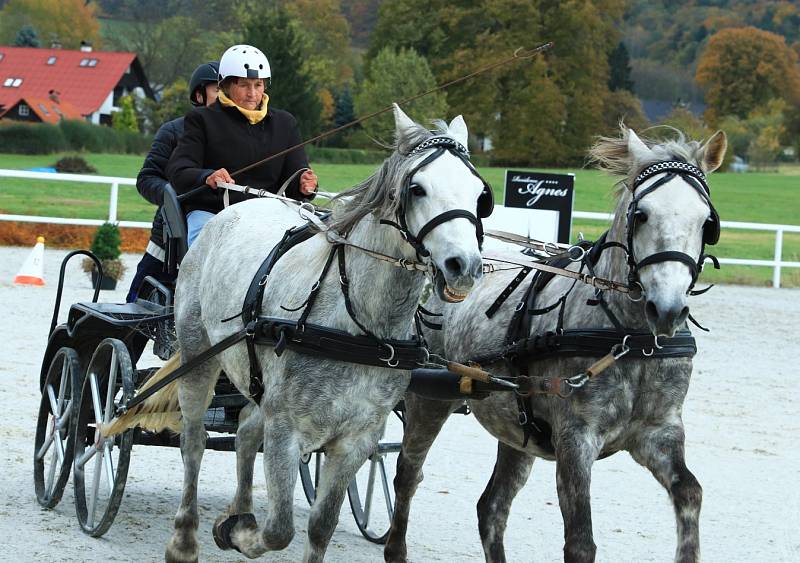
<point x="106" y="247"/>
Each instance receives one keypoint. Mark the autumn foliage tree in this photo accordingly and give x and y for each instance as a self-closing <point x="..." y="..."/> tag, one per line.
<point x="744" y="68"/>
<point x="66" y="21"/>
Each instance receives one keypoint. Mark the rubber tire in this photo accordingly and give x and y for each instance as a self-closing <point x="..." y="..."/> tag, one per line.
<point x="85" y="428"/>
<point x="63" y="378"/>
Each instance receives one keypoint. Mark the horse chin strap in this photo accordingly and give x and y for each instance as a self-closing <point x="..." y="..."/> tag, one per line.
<point x="441" y="145"/>
<point x="697" y="180"/>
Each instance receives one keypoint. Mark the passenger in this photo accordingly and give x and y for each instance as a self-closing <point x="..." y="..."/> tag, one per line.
<point x="239" y="129"/>
<point x="153" y="176"/>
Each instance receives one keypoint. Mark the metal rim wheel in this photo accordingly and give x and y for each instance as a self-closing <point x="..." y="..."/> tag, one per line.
<point x="53" y="445"/>
<point x="310" y="467"/>
<point x="371" y="492"/>
<point x="101" y="465"/>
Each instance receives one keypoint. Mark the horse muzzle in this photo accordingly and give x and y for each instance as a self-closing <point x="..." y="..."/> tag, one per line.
<point x="456" y="276"/>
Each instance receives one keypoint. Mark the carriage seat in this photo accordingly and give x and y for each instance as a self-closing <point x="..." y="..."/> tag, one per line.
<point x="176" y="240"/>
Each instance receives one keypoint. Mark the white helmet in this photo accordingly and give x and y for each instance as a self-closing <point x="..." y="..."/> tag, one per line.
<point x="243" y="61"/>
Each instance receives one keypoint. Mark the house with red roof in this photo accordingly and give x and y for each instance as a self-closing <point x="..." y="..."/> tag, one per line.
<point x="47" y="85"/>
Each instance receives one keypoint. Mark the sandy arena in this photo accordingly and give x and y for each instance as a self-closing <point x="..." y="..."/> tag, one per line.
<point x="741" y="421"/>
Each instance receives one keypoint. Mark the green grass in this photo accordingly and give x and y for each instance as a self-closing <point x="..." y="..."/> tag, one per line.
<point x="754" y="197"/>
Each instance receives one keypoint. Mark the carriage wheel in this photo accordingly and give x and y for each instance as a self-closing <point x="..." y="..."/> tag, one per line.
<point x="310" y="467"/>
<point x="52" y="457"/>
<point x="371" y="492"/>
<point x="101" y="465"/>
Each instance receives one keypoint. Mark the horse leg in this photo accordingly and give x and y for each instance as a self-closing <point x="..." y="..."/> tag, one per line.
<point x="194" y="392"/>
<point x="280" y="469"/>
<point x="511" y="471"/>
<point x="249" y="436"/>
<point x="575" y="455"/>
<point x="661" y="450"/>
<point x="342" y="461"/>
<point x="424" y="421"/>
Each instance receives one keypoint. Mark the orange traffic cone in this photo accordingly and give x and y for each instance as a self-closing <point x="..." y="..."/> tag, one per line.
<point x="32" y="271"/>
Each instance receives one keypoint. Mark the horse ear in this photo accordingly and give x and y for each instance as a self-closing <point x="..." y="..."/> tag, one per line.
<point x="714" y="151"/>
<point x="458" y="129"/>
<point x="402" y="123"/>
<point x="636" y="147"/>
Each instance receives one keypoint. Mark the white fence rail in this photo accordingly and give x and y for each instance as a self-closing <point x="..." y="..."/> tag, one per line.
<point x="777" y="263"/>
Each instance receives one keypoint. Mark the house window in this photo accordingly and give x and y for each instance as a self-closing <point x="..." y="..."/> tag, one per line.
<point x="92" y="62"/>
<point x="44" y="109"/>
<point x="1" y="56"/>
<point x="23" y="110"/>
<point x="8" y="82"/>
<point x="84" y="62"/>
<point x="16" y="83"/>
<point x="52" y="60"/>
<point x="12" y="82"/>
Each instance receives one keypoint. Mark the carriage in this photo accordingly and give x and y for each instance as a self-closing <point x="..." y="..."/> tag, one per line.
<point x="93" y="364"/>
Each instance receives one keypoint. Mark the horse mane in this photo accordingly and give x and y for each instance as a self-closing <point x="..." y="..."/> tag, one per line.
<point x="612" y="154"/>
<point x="378" y="194"/>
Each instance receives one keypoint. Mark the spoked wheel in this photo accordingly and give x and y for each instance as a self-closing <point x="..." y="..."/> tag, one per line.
<point x="52" y="457"/>
<point x="310" y="467"/>
<point x="371" y="493"/>
<point x="101" y="464"/>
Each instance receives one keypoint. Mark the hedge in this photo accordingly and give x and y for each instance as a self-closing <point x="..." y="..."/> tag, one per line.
<point x="70" y="135"/>
<point x="22" y="138"/>
<point x="344" y="156"/>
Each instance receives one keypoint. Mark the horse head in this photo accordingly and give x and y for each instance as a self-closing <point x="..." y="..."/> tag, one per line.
<point x="430" y="200"/>
<point x="664" y="217"/>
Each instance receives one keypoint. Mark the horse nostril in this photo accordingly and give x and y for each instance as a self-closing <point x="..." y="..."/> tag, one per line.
<point x="651" y="311"/>
<point x="455" y="266"/>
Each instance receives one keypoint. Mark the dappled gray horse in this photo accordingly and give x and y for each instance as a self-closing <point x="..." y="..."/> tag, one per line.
<point x="634" y="406"/>
<point x="312" y="403"/>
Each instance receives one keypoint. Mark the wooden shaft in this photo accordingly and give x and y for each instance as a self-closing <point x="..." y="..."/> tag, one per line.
<point x="467" y="371"/>
<point x="600" y="365"/>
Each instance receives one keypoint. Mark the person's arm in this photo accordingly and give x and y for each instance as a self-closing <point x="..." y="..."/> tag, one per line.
<point x="153" y="176"/>
<point x="293" y="162"/>
<point x="185" y="169"/>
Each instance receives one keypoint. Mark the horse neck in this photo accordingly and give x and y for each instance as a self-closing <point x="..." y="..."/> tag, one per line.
<point x="613" y="265"/>
<point x="384" y="296"/>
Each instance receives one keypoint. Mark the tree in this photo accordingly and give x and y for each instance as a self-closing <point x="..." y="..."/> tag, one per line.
<point x="125" y="118"/>
<point x="174" y="102"/>
<point x="562" y="92"/>
<point x="344" y="110"/>
<point x="27" y="37"/>
<point x="392" y="76"/>
<point x="67" y="21"/>
<point x="170" y="37"/>
<point x="292" y="88"/>
<point x="327" y="36"/>
<point x="619" y="66"/>
<point x="744" y="68"/>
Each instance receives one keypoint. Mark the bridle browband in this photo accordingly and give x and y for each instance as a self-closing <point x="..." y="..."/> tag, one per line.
<point x="693" y="176"/>
<point x="441" y="145"/>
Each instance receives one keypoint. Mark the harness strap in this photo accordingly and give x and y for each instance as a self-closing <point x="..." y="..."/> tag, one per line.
<point x="518" y="279"/>
<point x="223" y="344"/>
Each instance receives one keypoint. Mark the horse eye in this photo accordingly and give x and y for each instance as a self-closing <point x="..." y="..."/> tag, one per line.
<point x="416" y="190"/>
<point x="641" y="217"/>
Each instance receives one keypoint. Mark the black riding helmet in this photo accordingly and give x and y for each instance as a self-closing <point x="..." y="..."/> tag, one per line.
<point x="206" y="73"/>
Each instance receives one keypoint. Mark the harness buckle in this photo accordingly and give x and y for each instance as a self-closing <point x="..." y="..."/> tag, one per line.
<point x="263" y="280"/>
<point x="522" y="418"/>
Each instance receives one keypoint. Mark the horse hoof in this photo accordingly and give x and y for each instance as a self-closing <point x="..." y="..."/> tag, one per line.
<point x="222" y="529"/>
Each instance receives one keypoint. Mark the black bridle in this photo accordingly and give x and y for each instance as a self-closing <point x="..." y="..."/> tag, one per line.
<point x="693" y="176"/>
<point x="485" y="200"/>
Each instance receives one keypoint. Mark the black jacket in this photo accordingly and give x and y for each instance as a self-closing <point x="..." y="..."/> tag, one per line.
<point x="153" y="176"/>
<point x="220" y="137"/>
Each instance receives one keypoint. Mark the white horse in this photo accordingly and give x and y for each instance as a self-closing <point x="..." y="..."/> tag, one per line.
<point x="664" y="218"/>
<point x="430" y="193"/>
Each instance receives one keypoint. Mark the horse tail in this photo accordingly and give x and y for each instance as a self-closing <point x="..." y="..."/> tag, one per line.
<point x="157" y="413"/>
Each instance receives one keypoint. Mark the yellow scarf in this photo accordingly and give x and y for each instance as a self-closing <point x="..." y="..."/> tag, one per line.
<point x="252" y="115"/>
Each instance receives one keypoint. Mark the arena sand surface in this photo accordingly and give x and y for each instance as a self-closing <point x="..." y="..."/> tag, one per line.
<point x="741" y="421"/>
